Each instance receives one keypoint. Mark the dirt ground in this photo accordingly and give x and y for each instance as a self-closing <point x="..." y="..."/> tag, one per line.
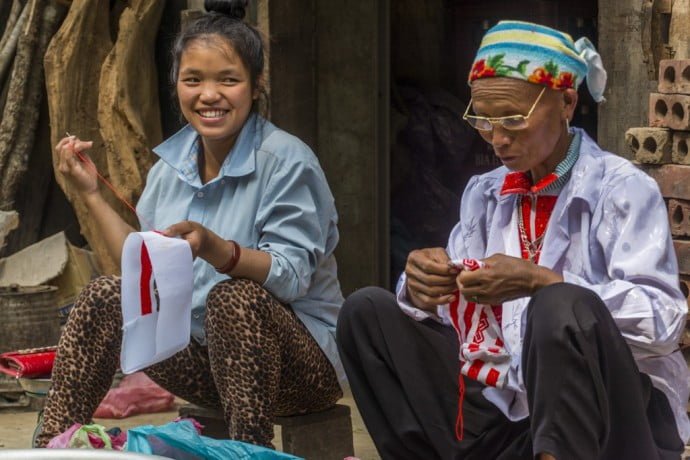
<point x="16" y="428"/>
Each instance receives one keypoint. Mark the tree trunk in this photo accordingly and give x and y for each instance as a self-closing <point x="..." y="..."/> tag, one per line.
<point x="11" y="43"/>
<point x="128" y="108"/>
<point x="5" y="8"/>
<point x="73" y="67"/>
<point x="12" y="17"/>
<point x="18" y="103"/>
<point x="9" y="220"/>
<point x="42" y="28"/>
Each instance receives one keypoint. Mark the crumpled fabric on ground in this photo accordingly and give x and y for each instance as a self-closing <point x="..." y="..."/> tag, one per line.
<point x="182" y="441"/>
<point x="93" y="436"/>
<point x="136" y="394"/>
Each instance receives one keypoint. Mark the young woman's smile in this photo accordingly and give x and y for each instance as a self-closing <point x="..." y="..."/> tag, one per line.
<point x="215" y="92"/>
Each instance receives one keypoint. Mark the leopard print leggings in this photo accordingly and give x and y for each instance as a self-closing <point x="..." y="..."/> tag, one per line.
<point x="260" y="362"/>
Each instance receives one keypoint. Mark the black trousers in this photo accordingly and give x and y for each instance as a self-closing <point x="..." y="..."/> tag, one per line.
<point x="587" y="398"/>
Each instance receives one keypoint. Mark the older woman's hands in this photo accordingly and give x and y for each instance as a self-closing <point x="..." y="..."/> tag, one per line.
<point x="430" y="280"/>
<point x="504" y="278"/>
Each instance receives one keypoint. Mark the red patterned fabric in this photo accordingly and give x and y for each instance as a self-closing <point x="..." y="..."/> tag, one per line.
<point x="482" y="354"/>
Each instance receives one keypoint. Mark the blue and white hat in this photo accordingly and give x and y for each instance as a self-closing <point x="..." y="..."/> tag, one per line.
<point x="541" y="55"/>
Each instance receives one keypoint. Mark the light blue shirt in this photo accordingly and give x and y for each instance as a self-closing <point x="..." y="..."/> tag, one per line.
<point x="271" y="194"/>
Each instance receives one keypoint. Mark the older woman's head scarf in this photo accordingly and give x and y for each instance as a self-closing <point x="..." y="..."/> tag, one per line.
<point x="540" y="55"/>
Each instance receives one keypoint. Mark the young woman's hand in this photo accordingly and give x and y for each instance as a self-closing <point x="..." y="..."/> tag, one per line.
<point x="81" y="174"/>
<point x="205" y="243"/>
<point x="430" y="280"/>
<point x="504" y="278"/>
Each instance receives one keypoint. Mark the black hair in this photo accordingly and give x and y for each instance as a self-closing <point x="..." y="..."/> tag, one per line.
<point x="225" y="19"/>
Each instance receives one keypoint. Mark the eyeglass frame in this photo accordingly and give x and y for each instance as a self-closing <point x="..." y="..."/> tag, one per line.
<point x="499" y="120"/>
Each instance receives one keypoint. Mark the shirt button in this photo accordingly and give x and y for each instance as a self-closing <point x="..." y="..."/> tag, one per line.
<point x="200" y="194"/>
<point x="222" y="182"/>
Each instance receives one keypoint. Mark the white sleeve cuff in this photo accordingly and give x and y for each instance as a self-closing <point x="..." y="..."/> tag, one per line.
<point x="408" y="308"/>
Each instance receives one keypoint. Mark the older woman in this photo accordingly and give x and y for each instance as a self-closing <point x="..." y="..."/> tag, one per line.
<point x="577" y="277"/>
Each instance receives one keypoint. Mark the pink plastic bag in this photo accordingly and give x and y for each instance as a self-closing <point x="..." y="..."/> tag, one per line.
<point x="61" y="441"/>
<point x="136" y="394"/>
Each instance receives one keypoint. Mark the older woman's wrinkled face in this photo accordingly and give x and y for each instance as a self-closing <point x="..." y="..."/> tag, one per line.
<point x="543" y="144"/>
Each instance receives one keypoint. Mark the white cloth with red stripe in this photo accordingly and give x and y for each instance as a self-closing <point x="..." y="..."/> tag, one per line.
<point x="156" y="299"/>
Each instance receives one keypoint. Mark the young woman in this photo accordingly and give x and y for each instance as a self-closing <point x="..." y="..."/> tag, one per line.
<point x="254" y="205"/>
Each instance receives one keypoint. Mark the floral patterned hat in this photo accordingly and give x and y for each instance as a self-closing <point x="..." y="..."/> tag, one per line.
<point x="540" y="55"/>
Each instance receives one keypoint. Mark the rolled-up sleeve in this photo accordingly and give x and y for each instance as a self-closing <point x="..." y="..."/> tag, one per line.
<point x="639" y="283"/>
<point x="294" y="219"/>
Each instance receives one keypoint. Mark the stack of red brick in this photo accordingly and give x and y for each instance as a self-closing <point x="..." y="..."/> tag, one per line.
<point x="662" y="150"/>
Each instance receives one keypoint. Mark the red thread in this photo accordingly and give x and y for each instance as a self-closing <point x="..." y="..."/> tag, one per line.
<point x="461" y="383"/>
<point x="88" y="162"/>
<point x="459" y="422"/>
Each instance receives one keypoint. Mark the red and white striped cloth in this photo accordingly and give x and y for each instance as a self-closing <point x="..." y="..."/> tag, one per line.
<point x="483" y="355"/>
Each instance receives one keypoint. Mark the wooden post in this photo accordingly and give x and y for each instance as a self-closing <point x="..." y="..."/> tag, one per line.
<point x="679" y="35"/>
<point x="329" y="72"/>
<point x="352" y="143"/>
<point x="292" y="66"/>
<point x="622" y="43"/>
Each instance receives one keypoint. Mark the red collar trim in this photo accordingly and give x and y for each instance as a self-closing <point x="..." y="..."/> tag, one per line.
<point x="521" y="183"/>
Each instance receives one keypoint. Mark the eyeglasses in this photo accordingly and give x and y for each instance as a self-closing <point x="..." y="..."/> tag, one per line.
<point x="511" y="122"/>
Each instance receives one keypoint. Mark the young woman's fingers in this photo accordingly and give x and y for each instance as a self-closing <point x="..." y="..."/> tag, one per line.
<point x="180" y="228"/>
<point x="80" y="145"/>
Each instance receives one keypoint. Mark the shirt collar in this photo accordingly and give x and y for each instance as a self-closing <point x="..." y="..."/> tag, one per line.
<point x="181" y="152"/>
<point x="521" y="182"/>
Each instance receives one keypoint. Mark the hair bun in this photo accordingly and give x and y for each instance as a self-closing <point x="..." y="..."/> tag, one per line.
<point x="236" y="9"/>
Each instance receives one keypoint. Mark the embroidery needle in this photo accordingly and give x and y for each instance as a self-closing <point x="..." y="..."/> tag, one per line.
<point x="89" y="163"/>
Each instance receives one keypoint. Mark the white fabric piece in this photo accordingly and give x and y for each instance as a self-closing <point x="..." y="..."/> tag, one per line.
<point x="156" y="310"/>
<point x="596" y="74"/>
